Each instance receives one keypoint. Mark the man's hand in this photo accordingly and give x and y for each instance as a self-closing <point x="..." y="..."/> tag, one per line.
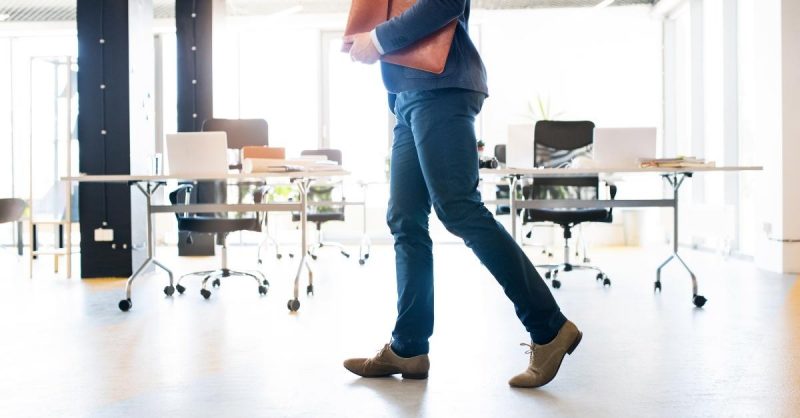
<point x="363" y="50"/>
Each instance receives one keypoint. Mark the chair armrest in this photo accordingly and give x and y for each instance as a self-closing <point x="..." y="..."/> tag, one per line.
<point x="186" y="189"/>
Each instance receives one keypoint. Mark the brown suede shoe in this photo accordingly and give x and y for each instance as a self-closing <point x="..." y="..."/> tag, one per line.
<point x="387" y="363"/>
<point x="546" y="359"/>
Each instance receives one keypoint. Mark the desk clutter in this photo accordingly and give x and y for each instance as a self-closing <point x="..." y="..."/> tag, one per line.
<point x="273" y="160"/>
<point x="678" y="162"/>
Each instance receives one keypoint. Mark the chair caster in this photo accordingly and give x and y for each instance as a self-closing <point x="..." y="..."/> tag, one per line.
<point x="313" y="256"/>
<point x="568" y="267"/>
<point x="548" y="275"/>
<point x="206" y="293"/>
<point x="599" y="276"/>
<point x="366" y="256"/>
<point x="699" y="301"/>
<point x="216" y="283"/>
<point x="657" y="287"/>
<point x="169" y="290"/>
<point x="345" y="254"/>
<point x="556" y="284"/>
<point x="291" y="255"/>
<point x="262" y="290"/>
<point x="125" y="305"/>
<point x="293" y="305"/>
<point x="278" y="256"/>
<point x="606" y="282"/>
<point x="310" y="290"/>
<point x="362" y="261"/>
<point x="180" y="288"/>
<point x="550" y="255"/>
<point x="260" y="262"/>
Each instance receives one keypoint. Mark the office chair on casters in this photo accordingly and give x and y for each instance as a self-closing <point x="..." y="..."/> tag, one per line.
<point x="242" y="133"/>
<point x="221" y="227"/>
<point x="556" y="145"/>
<point x="317" y="214"/>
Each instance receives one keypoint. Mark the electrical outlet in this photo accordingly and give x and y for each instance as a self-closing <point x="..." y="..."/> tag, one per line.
<point x="103" y="235"/>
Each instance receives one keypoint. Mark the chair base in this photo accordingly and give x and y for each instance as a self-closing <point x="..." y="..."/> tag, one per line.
<point x="554" y="269"/>
<point x="216" y="276"/>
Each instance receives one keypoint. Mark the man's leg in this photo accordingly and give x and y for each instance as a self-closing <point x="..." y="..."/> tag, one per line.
<point x="407" y="217"/>
<point x="442" y="123"/>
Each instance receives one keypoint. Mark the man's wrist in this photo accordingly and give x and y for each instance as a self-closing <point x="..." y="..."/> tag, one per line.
<point x="375" y="42"/>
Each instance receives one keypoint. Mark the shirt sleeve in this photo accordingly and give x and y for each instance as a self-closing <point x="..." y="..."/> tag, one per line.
<point x="376" y="41"/>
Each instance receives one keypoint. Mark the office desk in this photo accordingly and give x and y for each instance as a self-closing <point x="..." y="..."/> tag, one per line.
<point x="674" y="177"/>
<point x="149" y="184"/>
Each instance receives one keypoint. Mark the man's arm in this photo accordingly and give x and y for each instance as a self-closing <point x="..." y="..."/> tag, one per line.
<point x="419" y="21"/>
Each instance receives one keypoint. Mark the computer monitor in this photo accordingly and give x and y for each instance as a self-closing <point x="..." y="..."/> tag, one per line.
<point x="623" y="147"/>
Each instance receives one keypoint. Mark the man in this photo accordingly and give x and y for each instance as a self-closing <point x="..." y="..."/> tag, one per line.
<point x="435" y="163"/>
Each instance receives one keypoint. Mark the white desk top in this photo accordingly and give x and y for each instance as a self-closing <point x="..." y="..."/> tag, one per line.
<point x="125" y="178"/>
<point x="557" y="172"/>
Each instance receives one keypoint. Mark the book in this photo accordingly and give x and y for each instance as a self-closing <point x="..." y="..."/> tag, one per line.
<point x="676" y="162"/>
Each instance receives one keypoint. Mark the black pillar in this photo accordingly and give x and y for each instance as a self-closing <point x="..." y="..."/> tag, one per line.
<point x="195" y="22"/>
<point x="115" y="81"/>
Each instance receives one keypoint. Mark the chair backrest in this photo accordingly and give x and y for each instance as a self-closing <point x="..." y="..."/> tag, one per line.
<point x="556" y="144"/>
<point x="500" y="153"/>
<point x="241" y="132"/>
<point x="11" y="210"/>
<point x="332" y="154"/>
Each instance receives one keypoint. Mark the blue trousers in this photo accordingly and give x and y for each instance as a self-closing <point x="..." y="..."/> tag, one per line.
<point x="435" y="164"/>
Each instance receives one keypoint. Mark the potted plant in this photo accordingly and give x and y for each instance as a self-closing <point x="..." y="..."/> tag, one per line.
<point x="481" y="147"/>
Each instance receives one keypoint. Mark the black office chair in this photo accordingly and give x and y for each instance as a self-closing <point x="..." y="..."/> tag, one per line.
<point x="242" y="133"/>
<point x="324" y="192"/>
<point x="220" y="226"/>
<point x="556" y="144"/>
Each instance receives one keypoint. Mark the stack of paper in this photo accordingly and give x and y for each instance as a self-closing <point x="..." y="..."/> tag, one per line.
<point x="678" y="162"/>
<point x="274" y="165"/>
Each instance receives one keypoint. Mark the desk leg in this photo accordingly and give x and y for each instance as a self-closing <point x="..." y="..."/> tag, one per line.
<point x="126" y="304"/>
<point x="364" y="248"/>
<point x="512" y="198"/>
<point x="675" y="181"/>
<point x="294" y="304"/>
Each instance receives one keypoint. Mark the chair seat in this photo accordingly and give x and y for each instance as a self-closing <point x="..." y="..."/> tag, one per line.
<point x="212" y="225"/>
<point x="320" y="217"/>
<point x="567" y="216"/>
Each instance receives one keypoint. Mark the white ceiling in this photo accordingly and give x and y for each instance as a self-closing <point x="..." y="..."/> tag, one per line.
<point x="64" y="10"/>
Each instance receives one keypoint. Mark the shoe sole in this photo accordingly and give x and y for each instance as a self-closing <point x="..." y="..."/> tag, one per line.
<point x="415" y="376"/>
<point x="569" y="351"/>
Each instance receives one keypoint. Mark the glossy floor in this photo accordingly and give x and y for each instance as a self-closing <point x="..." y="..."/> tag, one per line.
<point x="66" y="350"/>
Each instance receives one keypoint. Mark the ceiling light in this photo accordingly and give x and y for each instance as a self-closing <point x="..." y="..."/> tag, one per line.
<point x="4" y="17"/>
<point x="604" y="3"/>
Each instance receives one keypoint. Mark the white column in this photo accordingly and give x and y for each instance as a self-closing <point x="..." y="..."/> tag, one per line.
<point x="777" y="45"/>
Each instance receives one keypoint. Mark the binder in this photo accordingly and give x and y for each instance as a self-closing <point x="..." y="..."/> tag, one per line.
<point x="428" y="54"/>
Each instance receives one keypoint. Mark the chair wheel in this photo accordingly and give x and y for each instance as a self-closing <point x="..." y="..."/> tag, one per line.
<point x="556" y="284"/>
<point x="260" y="262"/>
<point x="568" y="267"/>
<point x="366" y="256"/>
<point x="362" y="261"/>
<point x="293" y="305"/>
<point x="169" y="290"/>
<point x="291" y="255"/>
<point x="345" y="254"/>
<point x="699" y="301"/>
<point x="313" y="256"/>
<point x="265" y="282"/>
<point x="278" y="256"/>
<point x="262" y="290"/>
<point x="310" y="289"/>
<point x="599" y="276"/>
<point x="125" y="305"/>
<point x="657" y="286"/>
<point x="180" y="288"/>
<point x="216" y="283"/>
<point x="547" y="275"/>
<point x="550" y="255"/>
<point x="206" y="293"/>
<point x="606" y="282"/>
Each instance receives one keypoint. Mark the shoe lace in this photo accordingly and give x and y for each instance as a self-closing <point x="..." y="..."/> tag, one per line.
<point x="530" y="350"/>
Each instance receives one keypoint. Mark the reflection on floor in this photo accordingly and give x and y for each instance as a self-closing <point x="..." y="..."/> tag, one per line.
<point x="66" y="349"/>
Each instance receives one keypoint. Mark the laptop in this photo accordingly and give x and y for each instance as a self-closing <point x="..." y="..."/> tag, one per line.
<point x="519" y="148"/>
<point x="194" y="154"/>
<point x="623" y="147"/>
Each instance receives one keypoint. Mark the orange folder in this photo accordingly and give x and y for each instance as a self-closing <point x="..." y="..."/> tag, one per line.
<point x="274" y="153"/>
<point x="428" y="54"/>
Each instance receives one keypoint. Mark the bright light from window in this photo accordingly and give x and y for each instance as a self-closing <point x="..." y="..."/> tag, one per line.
<point x="4" y="17"/>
